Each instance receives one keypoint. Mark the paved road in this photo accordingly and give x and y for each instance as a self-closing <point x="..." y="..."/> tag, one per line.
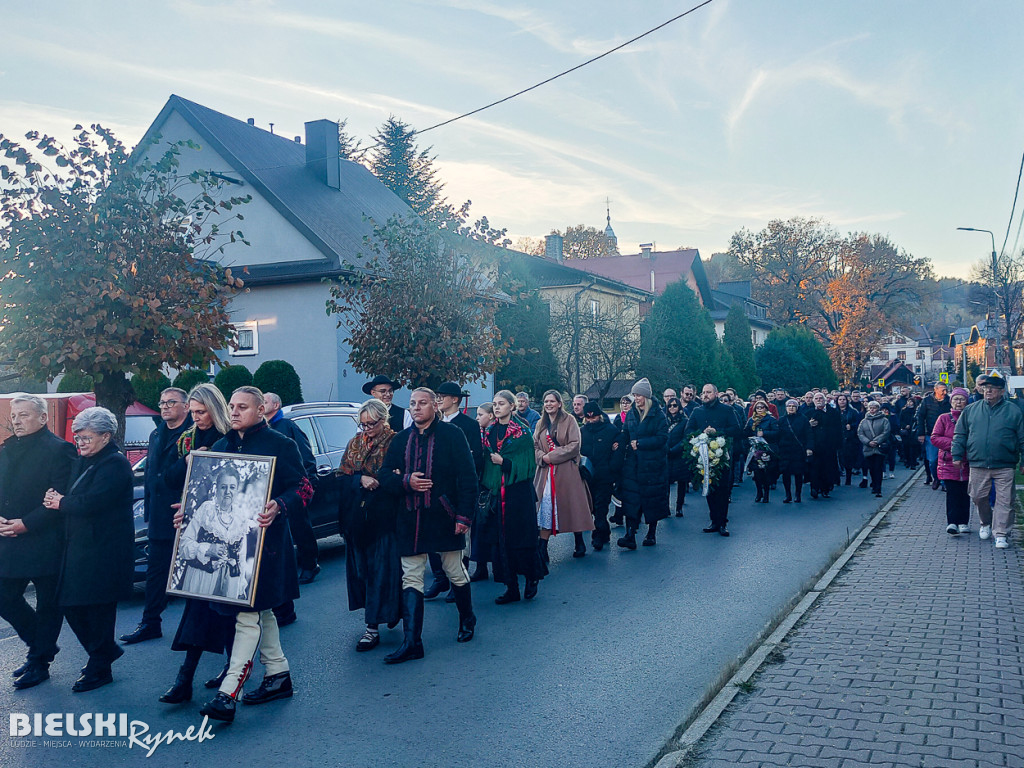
<point x="914" y="656"/>
<point x="599" y="670"/>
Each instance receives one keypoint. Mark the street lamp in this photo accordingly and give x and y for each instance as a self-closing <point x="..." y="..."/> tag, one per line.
<point x="995" y="271"/>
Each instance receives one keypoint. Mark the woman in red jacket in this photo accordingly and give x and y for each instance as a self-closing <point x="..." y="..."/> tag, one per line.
<point x="958" y="503"/>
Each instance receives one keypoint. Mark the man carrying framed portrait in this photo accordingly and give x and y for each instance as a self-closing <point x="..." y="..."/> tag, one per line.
<point x="274" y="575"/>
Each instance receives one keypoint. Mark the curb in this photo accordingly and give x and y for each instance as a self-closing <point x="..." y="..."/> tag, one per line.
<point x="710" y="714"/>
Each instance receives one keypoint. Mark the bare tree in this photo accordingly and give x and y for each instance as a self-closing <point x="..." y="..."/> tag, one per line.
<point x="1003" y="277"/>
<point x="596" y="338"/>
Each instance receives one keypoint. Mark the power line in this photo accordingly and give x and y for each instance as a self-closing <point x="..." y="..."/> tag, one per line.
<point x="568" y="71"/>
<point x="1013" y="208"/>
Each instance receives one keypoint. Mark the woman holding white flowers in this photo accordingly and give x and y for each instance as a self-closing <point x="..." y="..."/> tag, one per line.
<point x="762" y="424"/>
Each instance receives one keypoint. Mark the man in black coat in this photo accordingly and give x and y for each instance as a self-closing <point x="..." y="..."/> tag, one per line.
<point x="599" y="443"/>
<point x="430" y="469"/>
<point x="383" y="388"/>
<point x="826" y="434"/>
<point x="159" y="496"/>
<point x="32" y="461"/>
<point x="302" y="530"/>
<point x="256" y="629"/>
<point x="450" y="397"/>
<point x="715" y="418"/>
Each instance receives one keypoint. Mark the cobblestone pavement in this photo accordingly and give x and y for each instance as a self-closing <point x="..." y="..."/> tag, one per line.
<point x="914" y="656"/>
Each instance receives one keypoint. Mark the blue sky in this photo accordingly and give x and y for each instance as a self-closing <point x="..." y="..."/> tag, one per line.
<point x="904" y="118"/>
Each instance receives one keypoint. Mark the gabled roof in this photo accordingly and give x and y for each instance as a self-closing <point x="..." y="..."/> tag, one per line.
<point x="549" y="272"/>
<point x="668" y="267"/>
<point x="333" y="220"/>
<point x="894" y="369"/>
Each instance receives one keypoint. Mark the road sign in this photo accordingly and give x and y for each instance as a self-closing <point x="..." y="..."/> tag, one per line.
<point x="944" y="377"/>
<point x="881" y="383"/>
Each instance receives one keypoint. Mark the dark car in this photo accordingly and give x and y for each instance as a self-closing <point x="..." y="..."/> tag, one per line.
<point x="329" y="427"/>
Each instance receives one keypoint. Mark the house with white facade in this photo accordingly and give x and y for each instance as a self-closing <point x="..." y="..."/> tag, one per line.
<point x="915" y="349"/>
<point x="308" y="219"/>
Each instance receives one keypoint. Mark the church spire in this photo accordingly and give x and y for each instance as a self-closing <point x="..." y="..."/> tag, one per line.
<point x="609" y="233"/>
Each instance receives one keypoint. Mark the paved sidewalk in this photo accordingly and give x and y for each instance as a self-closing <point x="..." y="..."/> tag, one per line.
<point x="913" y="656"/>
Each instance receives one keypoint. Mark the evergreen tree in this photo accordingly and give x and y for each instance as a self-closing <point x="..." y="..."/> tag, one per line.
<point x="794" y="359"/>
<point x="678" y="342"/>
<point x="409" y="172"/>
<point x="531" y="364"/>
<point x="737" y="340"/>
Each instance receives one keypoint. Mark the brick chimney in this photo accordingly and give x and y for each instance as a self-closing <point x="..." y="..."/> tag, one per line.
<point x="323" y="152"/>
<point x="553" y="246"/>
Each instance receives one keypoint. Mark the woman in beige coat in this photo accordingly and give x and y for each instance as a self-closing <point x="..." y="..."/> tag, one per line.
<point x="564" y="502"/>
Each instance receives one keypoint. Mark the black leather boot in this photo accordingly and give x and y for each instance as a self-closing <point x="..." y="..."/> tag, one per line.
<point x="511" y="594"/>
<point x="467" y="619"/>
<point x="581" y="548"/>
<point x="272" y="688"/>
<point x="437" y="586"/>
<point x="629" y="540"/>
<point x="412" y="622"/>
<point x="543" y="544"/>
<point x="221" y="707"/>
<point x="181" y="690"/>
<point x="652" y="534"/>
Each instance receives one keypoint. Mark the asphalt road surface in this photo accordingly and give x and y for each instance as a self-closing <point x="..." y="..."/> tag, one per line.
<point x="599" y="670"/>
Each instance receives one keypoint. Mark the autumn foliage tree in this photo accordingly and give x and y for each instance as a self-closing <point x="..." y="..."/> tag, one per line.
<point x="417" y="308"/>
<point x="100" y="270"/>
<point x="849" y="291"/>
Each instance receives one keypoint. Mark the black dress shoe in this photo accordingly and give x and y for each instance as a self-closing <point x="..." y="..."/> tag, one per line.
<point x="597" y="546"/>
<point x="221" y="707"/>
<point x="141" y="633"/>
<point x="214" y="682"/>
<point x="180" y="691"/>
<point x="284" y="621"/>
<point x="90" y="681"/>
<point x="531" y="589"/>
<point x="21" y="670"/>
<point x="307" y="575"/>
<point x="580" y="550"/>
<point x="650" y="541"/>
<point x="33" y="676"/>
<point x="368" y="642"/>
<point x="511" y="595"/>
<point x="711" y="529"/>
<point x="272" y="688"/>
<point x="723" y="531"/>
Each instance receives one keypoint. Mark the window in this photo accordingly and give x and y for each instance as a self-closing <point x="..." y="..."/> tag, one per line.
<point x="337" y="431"/>
<point x="901" y="355"/>
<point x="247" y="339"/>
<point x="306" y="425"/>
<point x="920" y="354"/>
<point x="883" y="355"/>
<point x="594" y="307"/>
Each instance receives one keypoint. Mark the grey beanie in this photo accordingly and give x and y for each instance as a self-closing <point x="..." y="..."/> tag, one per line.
<point x="643" y="388"/>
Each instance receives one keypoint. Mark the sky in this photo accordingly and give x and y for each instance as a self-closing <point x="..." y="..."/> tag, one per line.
<point x="900" y="118"/>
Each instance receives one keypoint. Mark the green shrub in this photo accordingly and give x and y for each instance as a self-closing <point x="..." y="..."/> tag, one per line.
<point x="280" y="377"/>
<point x="189" y="378"/>
<point x="148" y="387"/>
<point x="230" y="378"/>
<point x="75" y="381"/>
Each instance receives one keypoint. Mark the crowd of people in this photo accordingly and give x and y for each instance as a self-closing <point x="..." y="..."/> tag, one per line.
<point x="436" y="487"/>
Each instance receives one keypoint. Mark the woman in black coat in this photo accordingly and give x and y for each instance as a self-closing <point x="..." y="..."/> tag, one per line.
<point x="795" y="446"/>
<point x="762" y="424"/>
<point x="851" y="454"/>
<point x="373" y="568"/>
<point x="678" y="446"/>
<point x="201" y="628"/>
<point x="98" y="563"/>
<point x="645" y="477"/>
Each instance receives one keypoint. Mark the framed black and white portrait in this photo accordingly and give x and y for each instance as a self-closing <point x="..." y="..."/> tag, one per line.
<point x="218" y="546"/>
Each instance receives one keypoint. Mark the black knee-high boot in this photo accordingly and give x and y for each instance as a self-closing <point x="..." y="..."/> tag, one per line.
<point x="412" y="624"/>
<point x="181" y="690"/>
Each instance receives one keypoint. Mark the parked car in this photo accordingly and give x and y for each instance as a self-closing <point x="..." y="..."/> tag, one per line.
<point x="329" y="427"/>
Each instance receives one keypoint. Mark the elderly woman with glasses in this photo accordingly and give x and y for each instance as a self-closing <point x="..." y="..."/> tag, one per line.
<point x="373" y="566"/>
<point x="98" y="563"/>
